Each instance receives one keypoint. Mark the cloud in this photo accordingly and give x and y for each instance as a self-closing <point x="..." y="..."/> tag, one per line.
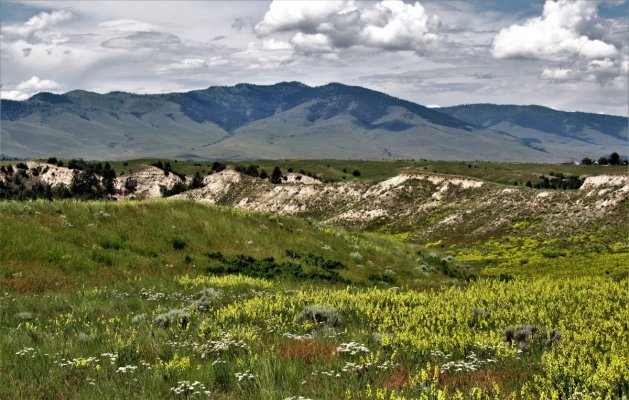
<point x="187" y="64"/>
<point x="312" y="43"/>
<point x="143" y="40"/>
<point x="29" y="30"/>
<point x="272" y="44"/>
<point x="26" y="89"/>
<point x="330" y="26"/>
<point x="566" y="29"/>
<point x="26" y="51"/>
<point x="399" y="26"/>
<point x="557" y="74"/>
<point x="127" y="25"/>
<point x="300" y="15"/>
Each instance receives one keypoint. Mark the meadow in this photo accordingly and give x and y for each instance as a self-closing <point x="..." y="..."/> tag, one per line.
<point x="173" y="299"/>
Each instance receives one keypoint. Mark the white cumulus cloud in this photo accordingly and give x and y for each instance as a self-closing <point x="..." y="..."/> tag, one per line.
<point x="300" y="15"/>
<point x="328" y="26"/>
<point x="566" y="28"/>
<point x="397" y="25"/>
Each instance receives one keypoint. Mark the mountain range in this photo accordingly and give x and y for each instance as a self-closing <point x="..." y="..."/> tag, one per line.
<point x="293" y="120"/>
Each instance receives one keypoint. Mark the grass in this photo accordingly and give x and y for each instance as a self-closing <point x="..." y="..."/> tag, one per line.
<point x="53" y="244"/>
<point x="116" y="299"/>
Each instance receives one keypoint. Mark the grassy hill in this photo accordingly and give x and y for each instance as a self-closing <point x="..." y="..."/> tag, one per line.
<point x="102" y="242"/>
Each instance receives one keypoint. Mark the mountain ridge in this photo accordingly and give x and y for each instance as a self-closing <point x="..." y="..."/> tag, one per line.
<point x="291" y="119"/>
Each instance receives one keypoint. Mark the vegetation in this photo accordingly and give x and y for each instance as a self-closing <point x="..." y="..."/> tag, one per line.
<point x="335" y="170"/>
<point x="175" y="299"/>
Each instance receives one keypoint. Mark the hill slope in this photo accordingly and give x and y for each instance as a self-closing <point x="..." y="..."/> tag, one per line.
<point x="285" y="120"/>
<point x="546" y="128"/>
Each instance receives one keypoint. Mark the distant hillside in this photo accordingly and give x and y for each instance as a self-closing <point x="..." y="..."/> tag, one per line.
<point x="286" y="120"/>
<point x="546" y="127"/>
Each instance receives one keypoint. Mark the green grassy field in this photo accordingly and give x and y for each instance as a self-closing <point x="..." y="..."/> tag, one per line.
<point x="133" y="300"/>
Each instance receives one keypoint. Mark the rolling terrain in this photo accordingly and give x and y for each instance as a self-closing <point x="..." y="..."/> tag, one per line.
<point x="292" y="120"/>
<point x="460" y="287"/>
<point x="351" y="279"/>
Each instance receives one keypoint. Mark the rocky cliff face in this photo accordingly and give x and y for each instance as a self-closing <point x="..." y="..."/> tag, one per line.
<point x="145" y="184"/>
<point x="431" y="206"/>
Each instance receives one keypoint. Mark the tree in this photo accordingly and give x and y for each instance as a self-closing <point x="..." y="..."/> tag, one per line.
<point x="109" y="177"/>
<point x="614" y="159"/>
<point x="197" y="181"/>
<point x="603" y="161"/>
<point x="276" y="176"/>
<point x="356" y="173"/>
<point x="85" y="185"/>
<point x="586" y="161"/>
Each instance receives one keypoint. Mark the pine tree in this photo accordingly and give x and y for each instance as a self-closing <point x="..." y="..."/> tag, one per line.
<point x="276" y="176"/>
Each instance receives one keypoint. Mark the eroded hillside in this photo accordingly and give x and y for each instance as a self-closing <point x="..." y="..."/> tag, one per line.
<point x="419" y="206"/>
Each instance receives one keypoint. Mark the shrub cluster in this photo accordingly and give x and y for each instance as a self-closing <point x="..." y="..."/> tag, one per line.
<point x="612" y="159"/>
<point x="168" y="169"/>
<point x="558" y="181"/>
<point x="173" y="317"/>
<point x="527" y="337"/>
<point x="304" y="267"/>
<point x="257" y="172"/>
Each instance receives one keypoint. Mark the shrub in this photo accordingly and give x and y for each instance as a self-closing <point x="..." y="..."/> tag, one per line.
<point x="356" y="173"/>
<point x="179" y="244"/>
<point x="530" y="336"/>
<point x="356" y="256"/>
<point x="24" y="316"/>
<point x="218" y="167"/>
<point x="216" y="256"/>
<point x="320" y="315"/>
<point x="138" y="319"/>
<point x="378" y="278"/>
<point x="177" y="188"/>
<point x="86" y="185"/>
<point x="276" y="176"/>
<point x="197" y="181"/>
<point x="268" y="268"/>
<point x="480" y="317"/>
<point x="205" y="298"/>
<point x="173" y="317"/>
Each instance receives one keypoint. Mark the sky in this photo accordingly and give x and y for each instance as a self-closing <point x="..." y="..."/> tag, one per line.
<point x="566" y="54"/>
